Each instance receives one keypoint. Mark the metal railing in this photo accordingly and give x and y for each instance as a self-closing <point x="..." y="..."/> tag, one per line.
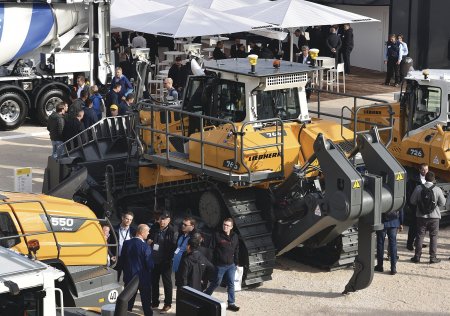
<point x="107" y="128"/>
<point x="52" y="231"/>
<point x="232" y="132"/>
<point x="355" y="111"/>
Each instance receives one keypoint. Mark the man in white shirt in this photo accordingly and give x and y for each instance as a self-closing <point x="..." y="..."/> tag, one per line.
<point x="139" y="41"/>
<point x="403" y="52"/>
<point x="123" y="232"/>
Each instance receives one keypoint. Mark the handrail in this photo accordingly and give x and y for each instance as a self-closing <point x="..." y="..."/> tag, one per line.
<point x="52" y="230"/>
<point x="356" y="109"/>
<point x="83" y="138"/>
<point x="232" y="131"/>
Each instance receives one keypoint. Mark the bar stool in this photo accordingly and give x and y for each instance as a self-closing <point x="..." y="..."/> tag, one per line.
<point x="333" y="77"/>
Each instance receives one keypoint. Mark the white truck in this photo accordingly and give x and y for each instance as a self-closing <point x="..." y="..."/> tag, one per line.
<point x="43" y="48"/>
<point x="27" y="287"/>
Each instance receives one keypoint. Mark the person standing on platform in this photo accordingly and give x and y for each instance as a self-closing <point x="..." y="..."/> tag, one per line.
<point x="124" y="231"/>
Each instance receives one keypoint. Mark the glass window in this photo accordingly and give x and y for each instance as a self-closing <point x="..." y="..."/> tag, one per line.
<point x="231" y="100"/>
<point x="27" y="302"/>
<point x="7" y="229"/>
<point x="278" y="103"/>
<point x="428" y="105"/>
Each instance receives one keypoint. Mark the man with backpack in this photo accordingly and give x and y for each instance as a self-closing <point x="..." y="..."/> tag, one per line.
<point x="428" y="198"/>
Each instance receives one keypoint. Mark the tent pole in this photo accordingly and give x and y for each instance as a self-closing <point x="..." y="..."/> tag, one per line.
<point x="292" y="44"/>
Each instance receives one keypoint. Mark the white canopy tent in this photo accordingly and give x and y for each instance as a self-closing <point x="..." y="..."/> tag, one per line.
<point x="187" y="21"/>
<point x="298" y="13"/>
<point x="125" y="8"/>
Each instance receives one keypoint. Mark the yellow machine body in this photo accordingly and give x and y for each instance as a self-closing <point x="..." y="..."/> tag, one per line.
<point x="54" y="221"/>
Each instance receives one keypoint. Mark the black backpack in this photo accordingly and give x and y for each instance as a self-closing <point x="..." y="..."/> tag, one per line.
<point x="427" y="201"/>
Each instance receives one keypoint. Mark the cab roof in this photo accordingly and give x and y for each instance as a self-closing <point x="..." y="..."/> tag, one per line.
<point x="434" y="74"/>
<point x="264" y="67"/>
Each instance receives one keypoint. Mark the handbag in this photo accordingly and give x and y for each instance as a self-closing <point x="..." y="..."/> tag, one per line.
<point x="238" y="278"/>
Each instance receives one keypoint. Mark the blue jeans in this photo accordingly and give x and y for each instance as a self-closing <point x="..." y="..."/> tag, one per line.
<point x="229" y="272"/>
<point x="391" y="232"/>
<point x="57" y="151"/>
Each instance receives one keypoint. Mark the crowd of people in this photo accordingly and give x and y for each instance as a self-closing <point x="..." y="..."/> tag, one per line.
<point x="155" y="251"/>
<point x="423" y="202"/>
<point x="334" y="41"/>
<point x="87" y="107"/>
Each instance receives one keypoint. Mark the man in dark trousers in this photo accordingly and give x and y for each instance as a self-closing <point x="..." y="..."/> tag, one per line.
<point x="393" y="221"/>
<point x="427" y="221"/>
<point x="414" y="180"/>
<point x="226" y="255"/>
<point x="194" y="266"/>
<point x="90" y="117"/>
<point x="137" y="260"/>
<point x="347" y="46"/>
<point x="124" y="231"/>
<point x="333" y="44"/>
<point x="55" y="127"/>
<point x="392" y="60"/>
<point x="163" y="241"/>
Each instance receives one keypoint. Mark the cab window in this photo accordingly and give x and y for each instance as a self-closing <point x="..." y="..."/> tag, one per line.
<point x="428" y="105"/>
<point x="231" y="101"/>
<point x="283" y="104"/>
<point x="7" y="229"/>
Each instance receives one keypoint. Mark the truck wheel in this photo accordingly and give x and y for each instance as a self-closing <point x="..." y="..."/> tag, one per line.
<point x="13" y="111"/>
<point x="46" y="104"/>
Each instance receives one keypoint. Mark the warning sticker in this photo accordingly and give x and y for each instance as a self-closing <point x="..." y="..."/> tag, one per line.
<point x="436" y="160"/>
<point x="399" y="177"/>
<point x="356" y="185"/>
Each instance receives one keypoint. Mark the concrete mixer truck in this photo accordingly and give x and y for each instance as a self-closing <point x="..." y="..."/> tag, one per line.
<point x="40" y="55"/>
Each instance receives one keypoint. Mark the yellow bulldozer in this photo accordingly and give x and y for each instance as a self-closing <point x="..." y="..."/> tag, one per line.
<point x="420" y="131"/>
<point x="242" y="144"/>
<point x="65" y="235"/>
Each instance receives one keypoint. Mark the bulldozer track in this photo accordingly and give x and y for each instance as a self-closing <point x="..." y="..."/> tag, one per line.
<point x="252" y="228"/>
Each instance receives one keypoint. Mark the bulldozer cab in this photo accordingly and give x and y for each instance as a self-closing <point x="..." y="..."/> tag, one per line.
<point x="426" y="101"/>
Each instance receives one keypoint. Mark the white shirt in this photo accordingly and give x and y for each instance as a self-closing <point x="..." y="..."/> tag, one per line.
<point x="422" y="178"/>
<point x="139" y="42"/>
<point x="124" y="234"/>
<point x="79" y="90"/>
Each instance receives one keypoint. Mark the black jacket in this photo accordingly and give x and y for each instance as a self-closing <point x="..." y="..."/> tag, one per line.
<point x="234" y="52"/>
<point x="167" y="245"/>
<point x="347" y="39"/>
<point x="192" y="269"/>
<point x="226" y="248"/>
<point x="55" y="126"/>
<point x="90" y="117"/>
<point x="76" y="106"/>
<point x="179" y="75"/>
<point x="333" y="41"/>
<point x="218" y="54"/>
<point x="71" y="128"/>
<point x="110" y="99"/>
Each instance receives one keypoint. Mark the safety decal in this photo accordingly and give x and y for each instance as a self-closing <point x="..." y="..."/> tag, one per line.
<point x="356" y="185"/>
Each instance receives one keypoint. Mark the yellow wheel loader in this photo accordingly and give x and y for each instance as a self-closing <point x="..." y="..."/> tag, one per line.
<point x="242" y="144"/>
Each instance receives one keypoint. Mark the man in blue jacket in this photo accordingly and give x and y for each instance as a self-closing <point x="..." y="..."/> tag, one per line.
<point x="126" y="86"/>
<point x="137" y="260"/>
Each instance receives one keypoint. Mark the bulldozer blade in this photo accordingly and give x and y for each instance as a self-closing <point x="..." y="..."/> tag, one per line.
<point x="71" y="185"/>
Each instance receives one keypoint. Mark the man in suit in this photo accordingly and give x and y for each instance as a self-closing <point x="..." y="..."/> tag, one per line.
<point x="333" y="44"/>
<point x="235" y="48"/>
<point x="124" y="232"/>
<point x="304" y="58"/>
<point x="218" y="53"/>
<point x="347" y="46"/>
<point x="137" y="260"/>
